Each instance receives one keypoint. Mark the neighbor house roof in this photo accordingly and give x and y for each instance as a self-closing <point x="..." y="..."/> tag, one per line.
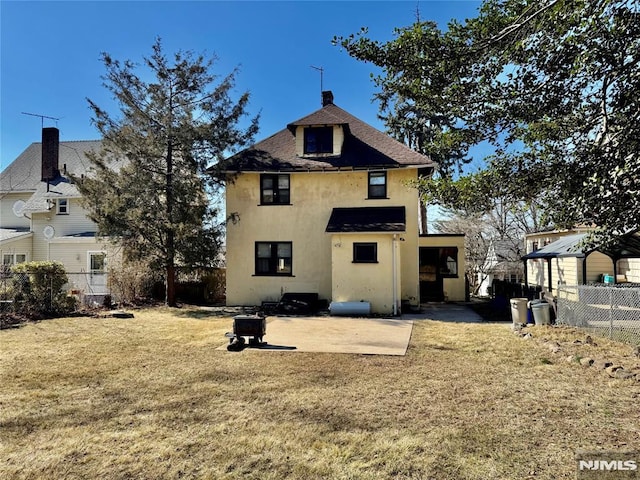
<point x="24" y="173"/>
<point x="364" y="147"/>
<point x="367" y="219"/>
<point x="7" y="234"/>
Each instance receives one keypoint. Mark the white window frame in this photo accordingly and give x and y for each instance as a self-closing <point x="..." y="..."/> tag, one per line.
<point x="62" y="208"/>
<point x="13" y="260"/>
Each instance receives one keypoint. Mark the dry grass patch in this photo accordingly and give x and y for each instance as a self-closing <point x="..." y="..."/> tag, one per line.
<point x="151" y="397"/>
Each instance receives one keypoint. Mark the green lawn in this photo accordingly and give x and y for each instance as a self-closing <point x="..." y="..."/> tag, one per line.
<point x="151" y="397"/>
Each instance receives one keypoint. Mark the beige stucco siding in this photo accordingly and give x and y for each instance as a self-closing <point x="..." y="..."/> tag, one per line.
<point x="313" y="197"/>
<point x="454" y="288"/>
<point x="369" y="282"/>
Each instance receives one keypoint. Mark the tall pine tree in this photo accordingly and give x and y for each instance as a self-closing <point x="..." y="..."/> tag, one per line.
<point x="149" y="188"/>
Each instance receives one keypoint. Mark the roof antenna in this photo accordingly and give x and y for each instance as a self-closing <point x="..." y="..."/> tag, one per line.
<point x="321" y="70"/>
<point x="42" y="117"/>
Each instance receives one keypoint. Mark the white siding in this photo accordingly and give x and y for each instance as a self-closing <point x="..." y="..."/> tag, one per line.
<point x="630" y="268"/>
<point x="20" y="246"/>
<point x="7" y="217"/>
<point x="64" y="225"/>
<point x="567" y="271"/>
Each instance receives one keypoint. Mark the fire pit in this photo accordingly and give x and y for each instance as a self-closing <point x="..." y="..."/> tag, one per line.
<point x="252" y="326"/>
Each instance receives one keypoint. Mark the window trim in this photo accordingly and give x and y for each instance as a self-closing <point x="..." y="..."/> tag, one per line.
<point x="370" y="186"/>
<point x="59" y="210"/>
<point x="14" y="259"/>
<point x="357" y="245"/>
<point x="273" y="260"/>
<point x="275" y="177"/>
<point x="325" y="148"/>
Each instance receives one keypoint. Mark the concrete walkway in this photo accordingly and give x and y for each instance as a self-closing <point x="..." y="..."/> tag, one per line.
<point x="446" y="312"/>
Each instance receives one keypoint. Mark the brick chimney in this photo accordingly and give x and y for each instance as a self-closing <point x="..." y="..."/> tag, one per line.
<point x="50" y="152"/>
<point x="327" y="98"/>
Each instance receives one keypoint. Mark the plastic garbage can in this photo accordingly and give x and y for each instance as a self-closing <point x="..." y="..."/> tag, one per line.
<point x="518" y="310"/>
<point x="530" y="305"/>
<point x="541" y="313"/>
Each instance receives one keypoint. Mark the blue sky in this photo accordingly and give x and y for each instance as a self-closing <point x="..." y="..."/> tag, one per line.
<point x="50" y="55"/>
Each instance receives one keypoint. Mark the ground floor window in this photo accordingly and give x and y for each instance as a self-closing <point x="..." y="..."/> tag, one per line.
<point x="440" y="261"/>
<point x="365" y="252"/>
<point x="274" y="258"/>
<point x="9" y="259"/>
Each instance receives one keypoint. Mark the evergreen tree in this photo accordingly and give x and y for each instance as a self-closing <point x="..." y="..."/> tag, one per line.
<point x="553" y="85"/>
<point x="149" y="187"/>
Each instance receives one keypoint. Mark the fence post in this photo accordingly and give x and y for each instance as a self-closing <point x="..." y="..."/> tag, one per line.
<point x="610" y="312"/>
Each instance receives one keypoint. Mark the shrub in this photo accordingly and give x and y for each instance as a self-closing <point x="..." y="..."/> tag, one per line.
<point x="39" y="289"/>
<point x="131" y="280"/>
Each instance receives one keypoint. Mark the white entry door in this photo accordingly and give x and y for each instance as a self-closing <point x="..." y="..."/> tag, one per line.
<point x="97" y="270"/>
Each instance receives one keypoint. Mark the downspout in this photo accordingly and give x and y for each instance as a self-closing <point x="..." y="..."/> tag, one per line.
<point x="394" y="274"/>
<point x="549" y="271"/>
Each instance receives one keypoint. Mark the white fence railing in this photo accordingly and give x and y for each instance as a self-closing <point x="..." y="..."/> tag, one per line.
<point x="611" y="311"/>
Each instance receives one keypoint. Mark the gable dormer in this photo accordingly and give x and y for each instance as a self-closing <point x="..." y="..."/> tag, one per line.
<point x="319" y="135"/>
<point x="328" y="139"/>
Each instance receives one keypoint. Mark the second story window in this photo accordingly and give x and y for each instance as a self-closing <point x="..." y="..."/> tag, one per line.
<point x="62" y="206"/>
<point x="377" y="185"/>
<point x="318" y="140"/>
<point x="274" y="189"/>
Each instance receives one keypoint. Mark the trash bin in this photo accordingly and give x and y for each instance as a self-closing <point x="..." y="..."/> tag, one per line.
<point x="530" y="305"/>
<point x="541" y="313"/>
<point x="519" y="310"/>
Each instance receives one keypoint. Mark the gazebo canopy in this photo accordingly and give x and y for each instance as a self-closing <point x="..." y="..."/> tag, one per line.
<point x="624" y="246"/>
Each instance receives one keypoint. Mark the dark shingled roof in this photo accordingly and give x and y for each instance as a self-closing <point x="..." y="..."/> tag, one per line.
<point x="367" y="219"/>
<point x="364" y="147"/>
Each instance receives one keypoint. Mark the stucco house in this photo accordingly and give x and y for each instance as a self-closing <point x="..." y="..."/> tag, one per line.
<point x="41" y="217"/>
<point x="324" y="206"/>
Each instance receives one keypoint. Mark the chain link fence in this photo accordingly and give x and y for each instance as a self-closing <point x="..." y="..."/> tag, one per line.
<point x="24" y="292"/>
<point x="610" y="311"/>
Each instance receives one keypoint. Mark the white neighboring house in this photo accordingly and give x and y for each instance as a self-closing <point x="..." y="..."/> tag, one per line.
<point x="41" y="217"/>
<point x="502" y="263"/>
